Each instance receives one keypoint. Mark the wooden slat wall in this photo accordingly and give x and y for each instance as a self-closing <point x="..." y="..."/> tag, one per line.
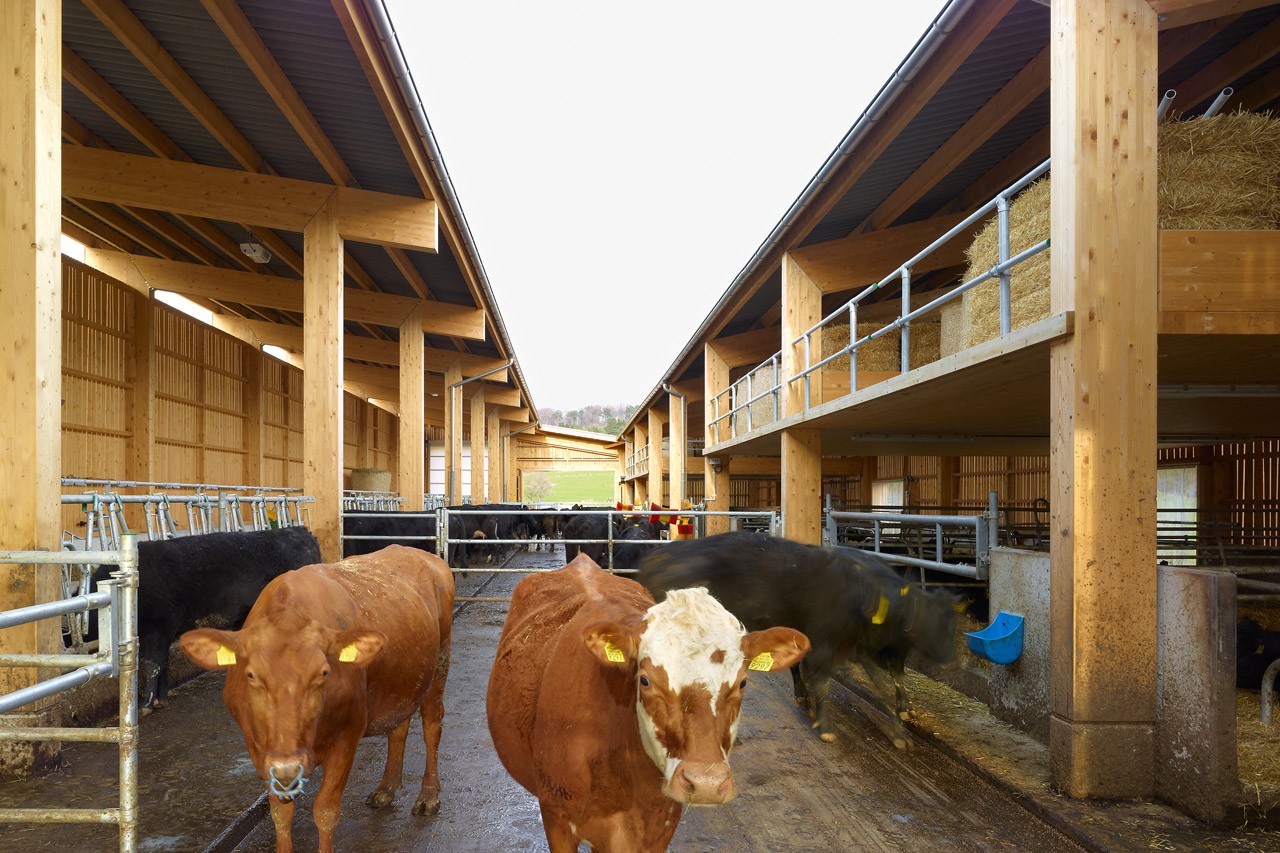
<point x="382" y="430"/>
<point x="540" y="453"/>
<point x="200" y="397"/>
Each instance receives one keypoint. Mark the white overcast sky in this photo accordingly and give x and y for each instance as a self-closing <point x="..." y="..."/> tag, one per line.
<point x="620" y="162"/>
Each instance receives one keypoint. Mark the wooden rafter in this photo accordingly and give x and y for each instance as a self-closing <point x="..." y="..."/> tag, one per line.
<point x="1179" y="13"/>
<point x="1241" y="59"/>
<point x="286" y="295"/>
<point x="1260" y="92"/>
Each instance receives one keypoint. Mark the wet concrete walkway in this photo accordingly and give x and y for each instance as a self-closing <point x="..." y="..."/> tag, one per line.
<point x="796" y="792"/>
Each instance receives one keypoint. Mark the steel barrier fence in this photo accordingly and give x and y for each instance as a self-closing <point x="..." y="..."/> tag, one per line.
<point x="117" y="657"/>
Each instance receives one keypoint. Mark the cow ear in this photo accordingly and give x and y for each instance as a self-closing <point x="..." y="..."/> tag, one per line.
<point x="356" y="647"/>
<point x="613" y="644"/>
<point x="774" y="648"/>
<point x="211" y="648"/>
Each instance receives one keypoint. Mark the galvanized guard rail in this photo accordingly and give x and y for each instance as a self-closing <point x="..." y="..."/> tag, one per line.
<point x="118" y="658"/>
<point x="981" y="530"/>
<point x="849" y="313"/>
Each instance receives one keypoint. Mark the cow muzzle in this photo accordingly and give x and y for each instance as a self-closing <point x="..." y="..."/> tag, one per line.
<point x="286" y="775"/>
<point x="702" y="784"/>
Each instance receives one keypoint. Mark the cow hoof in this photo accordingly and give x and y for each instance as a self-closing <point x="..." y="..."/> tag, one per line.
<point x="380" y="799"/>
<point x="828" y="737"/>
<point x="422" y="807"/>
<point x="901" y="743"/>
<point x="160" y="704"/>
<point x="143" y="712"/>
<point x="904" y="715"/>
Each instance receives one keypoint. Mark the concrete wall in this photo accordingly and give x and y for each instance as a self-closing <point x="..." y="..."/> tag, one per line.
<point x="1019" y="583"/>
<point x="1196" y="765"/>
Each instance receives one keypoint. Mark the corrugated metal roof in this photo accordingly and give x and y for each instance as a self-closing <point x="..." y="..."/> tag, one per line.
<point x="308" y="41"/>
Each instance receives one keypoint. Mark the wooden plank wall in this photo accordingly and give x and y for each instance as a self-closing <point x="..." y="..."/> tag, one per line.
<point x="201" y="398"/>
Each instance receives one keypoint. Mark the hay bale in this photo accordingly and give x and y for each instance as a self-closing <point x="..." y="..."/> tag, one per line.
<point x="880" y="354"/>
<point x="926" y="342"/>
<point x="1219" y="173"/>
<point x="370" y="480"/>
<point x="952" y="335"/>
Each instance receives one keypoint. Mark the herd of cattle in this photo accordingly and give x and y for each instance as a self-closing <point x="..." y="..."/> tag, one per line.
<point x="613" y="700"/>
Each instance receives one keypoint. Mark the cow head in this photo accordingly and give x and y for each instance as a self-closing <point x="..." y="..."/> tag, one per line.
<point x="689" y="658"/>
<point x="284" y="673"/>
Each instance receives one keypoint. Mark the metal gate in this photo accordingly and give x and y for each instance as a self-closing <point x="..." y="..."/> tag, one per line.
<point x="116" y="658"/>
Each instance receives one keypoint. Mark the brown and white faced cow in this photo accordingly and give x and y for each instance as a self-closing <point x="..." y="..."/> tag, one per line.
<point x="615" y="712"/>
<point x="328" y="655"/>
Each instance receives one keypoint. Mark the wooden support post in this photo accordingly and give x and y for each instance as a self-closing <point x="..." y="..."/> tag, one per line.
<point x="866" y="495"/>
<point x="801" y="308"/>
<point x="1103" y="399"/>
<point x="410" y="437"/>
<point x="322" y="287"/>
<point x="30" y="331"/>
<point x="477" y="446"/>
<point x="802" y="485"/>
<point x="715" y="378"/>
<point x="453" y="434"/>
<point x="679" y="429"/>
<point x="947" y="482"/>
<point x="653" y="483"/>
<point x="140" y="397"/>
<point x="253" y="368"/>
<point x="493" y="447"/>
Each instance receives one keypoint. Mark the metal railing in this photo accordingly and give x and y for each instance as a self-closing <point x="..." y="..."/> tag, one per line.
<point x="357" y="499"/>
<point x="973" y="535"/>
<point x="902" y="324"/>
<point x="117" y="657"/>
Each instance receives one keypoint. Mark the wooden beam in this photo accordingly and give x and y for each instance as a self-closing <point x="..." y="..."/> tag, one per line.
<point x="91" y="84"/>
<point x="478" y="421"/>
<point x="322" y="379"/>
<point x="284" y="294"/>
<point x="1179" y="13"/>
<point x="802" y="485"/>
<point x="1025" y="86"/>
<point x="383" y="352"/>
<point x="1240" y="60"/>
<point x="83" y="220"/>
<point x="1103" y="400"/>
<point x="412" y="475"/>
<point x="229" y="194"/>
<point x="747" y="349"/>
<point x="860" y="260"/>
<point x="1259" y="93"/>
<point x="494" y="484"/>
<point x="453" y="435"/>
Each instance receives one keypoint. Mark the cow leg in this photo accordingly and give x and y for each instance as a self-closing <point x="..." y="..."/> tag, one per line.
<point x="797" y="684"/>
<point x="882" y="684"/>
<point x="282" y="817"/>
<point x="560" y="838"/>
<point x="393" y="774"/>
<point x="432" y="711"/>
<point x="328" y="805"/>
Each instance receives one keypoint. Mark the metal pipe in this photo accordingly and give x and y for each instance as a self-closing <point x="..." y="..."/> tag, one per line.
<point x="136" y="484"/>
<point x="57" y="684"/>
<point x="904" y="356"/>
<point x="1218" y="102"/>
<point x="1006" y="294"/>
<point x="1268" y="691"/>
<point x="1165" y="103"/>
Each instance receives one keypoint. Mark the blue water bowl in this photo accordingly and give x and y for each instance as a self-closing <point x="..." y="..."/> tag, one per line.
<point x="999" y="642"/>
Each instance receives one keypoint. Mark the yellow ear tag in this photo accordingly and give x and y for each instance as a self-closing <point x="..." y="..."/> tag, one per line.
<point x="613" y="653"/>
<point x="762" y="662"/>
<point x="904" y="590"/>
<point x="226" y="657"/>
<point x="348" y="653"/>
<point x="1260" y="649"/>
<point x="881" y="612"/>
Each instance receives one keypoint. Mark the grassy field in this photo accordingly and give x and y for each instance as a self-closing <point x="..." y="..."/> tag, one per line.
<point x="576" y="487"/>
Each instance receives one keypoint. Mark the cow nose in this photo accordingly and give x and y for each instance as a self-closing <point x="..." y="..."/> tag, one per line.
<point x="703" y="784"/>
<point x="286" y="774"/>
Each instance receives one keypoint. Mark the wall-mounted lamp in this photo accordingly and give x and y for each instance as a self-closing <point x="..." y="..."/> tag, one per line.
<point x="256" y="252"/>
<point x="716" y="463"/>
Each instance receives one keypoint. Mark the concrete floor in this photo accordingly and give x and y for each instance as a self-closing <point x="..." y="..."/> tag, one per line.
<point x="796" y="793"/>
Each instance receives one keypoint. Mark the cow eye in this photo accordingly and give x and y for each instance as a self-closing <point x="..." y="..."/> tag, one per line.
<point x="644" y="681"/>
<point x="743" y="685"/>
<point x="324" y="673"/>
<point x="249" y="675"/>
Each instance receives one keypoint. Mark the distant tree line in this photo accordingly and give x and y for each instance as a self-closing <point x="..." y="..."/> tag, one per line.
<point x="606" y="419"/>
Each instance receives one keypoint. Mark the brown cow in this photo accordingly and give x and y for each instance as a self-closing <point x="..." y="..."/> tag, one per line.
<point x="615" y="712"/>
<point x="328" y="655"/>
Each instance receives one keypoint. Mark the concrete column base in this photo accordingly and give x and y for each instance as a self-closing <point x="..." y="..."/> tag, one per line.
<point x="1105" y="760"/>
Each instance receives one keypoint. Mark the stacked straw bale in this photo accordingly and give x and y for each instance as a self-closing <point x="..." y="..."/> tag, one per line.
<point x="1219" y="173"/>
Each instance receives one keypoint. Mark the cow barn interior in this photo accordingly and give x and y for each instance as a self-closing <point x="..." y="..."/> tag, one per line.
<point x="1115" y="411"/>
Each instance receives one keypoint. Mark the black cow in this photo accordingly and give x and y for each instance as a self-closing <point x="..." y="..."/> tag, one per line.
<point x="849" y="603"/>
<point x="587" y="526"/>
<point x="417" y="530"/>
<point x="209" y="581"/>
<point x="1256" y="649"/>
<point x="632" y="533"/>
